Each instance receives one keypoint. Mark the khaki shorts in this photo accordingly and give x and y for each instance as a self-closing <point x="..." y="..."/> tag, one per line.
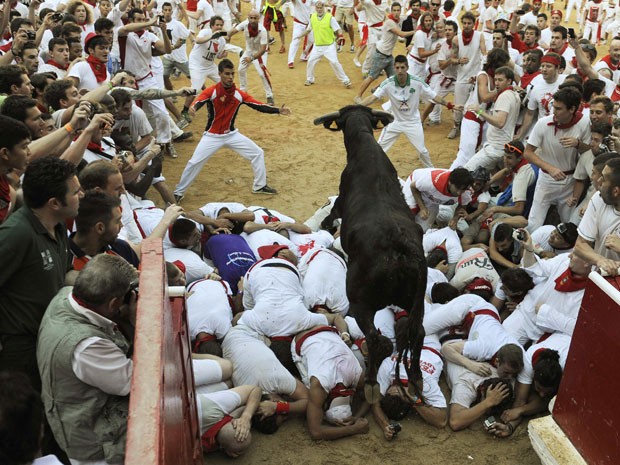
<point x="346" y="14"/>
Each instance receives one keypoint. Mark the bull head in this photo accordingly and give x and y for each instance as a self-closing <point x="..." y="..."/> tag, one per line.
<point x="339" y="117"/>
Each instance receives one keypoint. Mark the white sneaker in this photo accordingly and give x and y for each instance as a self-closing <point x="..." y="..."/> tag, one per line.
<point x="454" y="133"/>
<point x="356" y="62"/>
<point x="347" y="84"/>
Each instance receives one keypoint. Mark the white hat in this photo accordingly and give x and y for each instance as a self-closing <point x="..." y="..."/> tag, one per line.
<point x="502" y="17"/>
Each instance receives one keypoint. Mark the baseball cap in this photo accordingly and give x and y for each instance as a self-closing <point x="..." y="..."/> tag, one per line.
<point x="480" y="174"/>
<point x="568" y="231"/>
<point x="502" y="17"/>
<point x="270" y="251"/>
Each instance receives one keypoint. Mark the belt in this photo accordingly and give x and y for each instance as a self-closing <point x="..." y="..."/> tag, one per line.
<point x="381" y="53"/>
<point x="379" y="24"/>
<point x="417" y="59"/>
<point x="567" y="173"/>
<point x="312" y="332"/>
<point x="295" y="20"/>
<point x="469" y="318"/>
<point x="435" y="351"/>
<point x="470" y="115"/>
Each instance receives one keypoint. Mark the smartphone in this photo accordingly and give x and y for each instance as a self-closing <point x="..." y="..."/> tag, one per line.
<point x="571" y="33"/>
<point x="520" y="12"/>
<point x="489" y="422"/>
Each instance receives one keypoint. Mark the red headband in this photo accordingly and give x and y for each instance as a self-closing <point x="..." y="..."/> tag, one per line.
<point x="556" y="12"/>
<point x="550" y="59"/>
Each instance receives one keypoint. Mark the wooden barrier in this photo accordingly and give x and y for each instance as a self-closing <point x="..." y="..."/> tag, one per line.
<point x="587" y="406"/>
<point x="163" y="423"/>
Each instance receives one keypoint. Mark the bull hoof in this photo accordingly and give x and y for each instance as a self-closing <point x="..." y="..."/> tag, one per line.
<point x="372" y="392"/>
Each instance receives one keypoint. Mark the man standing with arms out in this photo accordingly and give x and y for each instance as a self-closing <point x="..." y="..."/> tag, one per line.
<point x="468" y="48"/>
<point x="557" y="136"/>
<point x="599" y="230"/>
<point x="382" y="59"/>
<point x="223" y="101"/>
<point x="136" y="48"/>
<point x="323" y="25"/>
<point x="404" y="92"/>
<point x="302" y="9"/>
<point x="256" y="41"/>
<point x="33" y="242"/>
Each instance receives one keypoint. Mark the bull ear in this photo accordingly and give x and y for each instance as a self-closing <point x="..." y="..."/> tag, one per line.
<point x="381" y="117"/>
<point x="328" y="120"/>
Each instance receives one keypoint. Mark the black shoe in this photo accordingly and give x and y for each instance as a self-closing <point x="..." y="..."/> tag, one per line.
<point x="266" y="190"/>
<point x="186" y="135"/>
<point x="178" y="199"/>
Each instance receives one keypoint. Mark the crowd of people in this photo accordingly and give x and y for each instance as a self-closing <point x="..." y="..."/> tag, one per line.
<point x="528" y="208"/>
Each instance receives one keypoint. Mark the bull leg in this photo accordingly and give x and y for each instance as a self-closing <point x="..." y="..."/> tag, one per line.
<point x="416" y="340"/>
<point x="334" y="214"/>
<point x="364" y="317"/>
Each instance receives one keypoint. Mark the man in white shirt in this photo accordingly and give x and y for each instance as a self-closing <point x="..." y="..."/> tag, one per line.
<point x="93" y="72"/>
<point x="599" y="230"/>
<point x="404" y="92"/>
<point x="137" y="44"/>
<point x="301" y="18"/>
<point x="208" y="46"/>
<point x="502" y="120"/>
<point x="59" y="58"/>
<point x="256" y="41"/>
<point x="557" y="136"/>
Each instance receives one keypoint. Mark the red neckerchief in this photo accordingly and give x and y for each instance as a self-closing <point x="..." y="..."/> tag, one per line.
<point x="391" y="16"/>
<point x="339" y="390"/>
<point x="426" y="31"/>
<point x="439" y="179"/>
<point x="377" y="2"/>
<point x="607" y="59"/>
<point x="576" y="117"/>
<point x="507" y="88"/>
<point x="527" y="78"/>
<point x="467" y="38"/>
<point x="436" y="18"/>
<point x="447" y="14"/>
<point x="208" y="439"/>
<point x="562" y="50"/>
<point x="94" y="147"/>
<point x="98" y="67"/>
<point x="570" y="282"/>
<point x="252" y="29"/>
<point x="510" y="176"/>
<point x="415" y="17"/>
<point x="58" y="65"/>
<point x="225" y="91"/>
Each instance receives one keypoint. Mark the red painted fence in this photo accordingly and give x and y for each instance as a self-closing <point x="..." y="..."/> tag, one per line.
<point x="587" y="407"/>
<point x="163" y="424"/>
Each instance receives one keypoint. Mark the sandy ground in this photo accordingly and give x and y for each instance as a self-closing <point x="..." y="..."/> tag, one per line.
<point x="304" y="163"/>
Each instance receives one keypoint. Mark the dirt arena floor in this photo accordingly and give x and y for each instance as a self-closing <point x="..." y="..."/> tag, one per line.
<point x="304" y="163"/>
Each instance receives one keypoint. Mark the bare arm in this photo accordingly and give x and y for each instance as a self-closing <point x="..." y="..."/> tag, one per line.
<point x="453" y="352"/>
<point x="435" y="416"/>
<point x="528" y="119"/>
<point x="483" y="85"/>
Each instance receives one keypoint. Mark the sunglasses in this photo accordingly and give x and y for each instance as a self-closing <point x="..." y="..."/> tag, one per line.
<point x="435" y="4"/>
<point x="509" y="148"/>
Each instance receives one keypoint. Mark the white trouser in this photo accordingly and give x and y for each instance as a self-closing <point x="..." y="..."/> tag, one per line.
<point x="461" y="4"/>
<point x="308" y="41"/>
<point x="461" y="94"/>
<point x="374" y="34"/>
<point x="489" y="156"/>
<point x="416" y="68"/>
<point x="211" y="143"/>
<point x="550" y="192"/>
<point x="572" y="4"/>
<point x="199" y="74"/>
<point x="414" y="133"/>
<point x="329" y="52"/>
<point x="443" y="86"/>
<point x="470" y="135"/>
<point x="591" y="31"/>
<point x="260" y="65"/>
<point x="156" y="111"/>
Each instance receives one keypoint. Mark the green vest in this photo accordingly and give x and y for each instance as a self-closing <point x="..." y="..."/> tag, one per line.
<point x="87" y="423"/>
<point x="322" y="29"/>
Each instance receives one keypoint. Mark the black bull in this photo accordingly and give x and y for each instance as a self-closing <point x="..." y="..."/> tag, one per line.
<point x="381" y="238"/>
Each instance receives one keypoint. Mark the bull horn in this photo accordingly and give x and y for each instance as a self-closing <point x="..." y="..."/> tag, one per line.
<point x="328" y="117"/>
<point x="380" y="114"/>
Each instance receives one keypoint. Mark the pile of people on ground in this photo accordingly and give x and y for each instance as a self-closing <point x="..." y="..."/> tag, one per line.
<point x="512" y="229"/>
